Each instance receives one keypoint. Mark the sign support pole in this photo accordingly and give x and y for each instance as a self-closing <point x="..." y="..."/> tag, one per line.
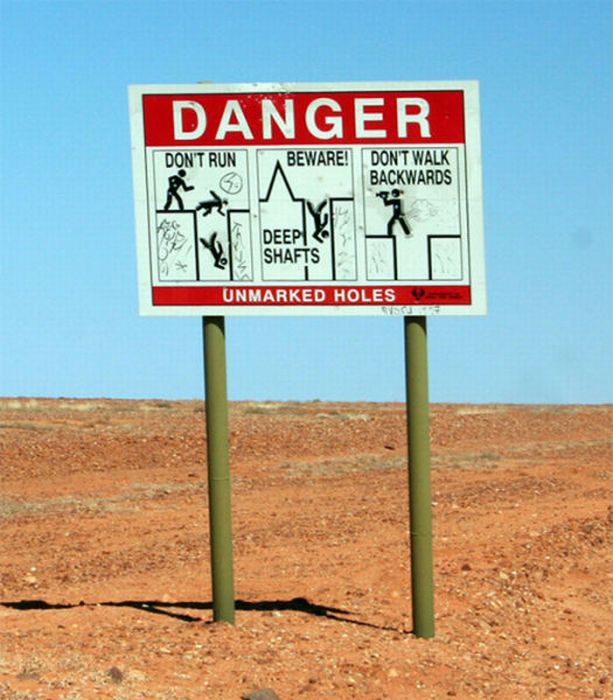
<point x="220" y="512"/>
<point x="420" y="490"/>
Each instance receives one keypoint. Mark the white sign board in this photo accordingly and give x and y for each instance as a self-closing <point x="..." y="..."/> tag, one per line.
<point x="308" y="199"/>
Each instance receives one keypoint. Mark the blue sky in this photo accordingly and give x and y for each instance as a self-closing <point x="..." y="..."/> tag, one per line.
<point x="69" y="322"/>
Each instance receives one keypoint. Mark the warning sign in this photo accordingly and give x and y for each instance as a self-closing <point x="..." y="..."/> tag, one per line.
<point x="308" y="199"/>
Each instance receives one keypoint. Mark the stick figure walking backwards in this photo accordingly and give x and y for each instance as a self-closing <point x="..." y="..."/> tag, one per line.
<point x="397" y="212"/>
<point x="175" y="183"/>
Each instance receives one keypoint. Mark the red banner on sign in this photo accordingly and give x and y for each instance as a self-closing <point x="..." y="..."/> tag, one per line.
<point x="285" y="118"/>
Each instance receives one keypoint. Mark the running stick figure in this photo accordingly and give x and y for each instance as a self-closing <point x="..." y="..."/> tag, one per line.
<point x="175" y="183"/>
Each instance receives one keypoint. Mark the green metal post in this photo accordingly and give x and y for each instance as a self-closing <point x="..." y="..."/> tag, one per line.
<point x="420" y="490"/>
<point x="220" y="512"/>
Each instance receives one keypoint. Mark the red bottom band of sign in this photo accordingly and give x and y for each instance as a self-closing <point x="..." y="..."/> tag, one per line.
<point x="311" y="295"/>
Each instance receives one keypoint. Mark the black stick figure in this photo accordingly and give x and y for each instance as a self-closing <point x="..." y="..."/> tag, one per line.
<point x="320" y="223"/>
<point x="175" y="183"/>
<point x="395" y="202"/>
<point x="216" y="203"/>
<point x="216" y="251"/>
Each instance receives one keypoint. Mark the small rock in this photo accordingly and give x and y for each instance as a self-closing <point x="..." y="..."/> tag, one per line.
<point x="115" y="674"/>
<point x="393" y="673"/>
<point x="28" y="674"/>
<point x="263" y="694"/>
<point x="466" y="567"/>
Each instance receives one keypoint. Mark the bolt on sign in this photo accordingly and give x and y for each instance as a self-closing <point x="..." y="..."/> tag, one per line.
<point x="308" y="199"/>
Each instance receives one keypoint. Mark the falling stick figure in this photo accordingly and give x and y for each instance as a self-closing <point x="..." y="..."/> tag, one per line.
<point x="320" y="223"/>
<point x="216" y="203"/>
<point x="395" y="202"/>
<point x="216" y="251"/>
<point x="175" y="183"/>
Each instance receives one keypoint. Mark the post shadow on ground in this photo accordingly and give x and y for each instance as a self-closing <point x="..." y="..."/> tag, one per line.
<point x="159" y="607"/>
